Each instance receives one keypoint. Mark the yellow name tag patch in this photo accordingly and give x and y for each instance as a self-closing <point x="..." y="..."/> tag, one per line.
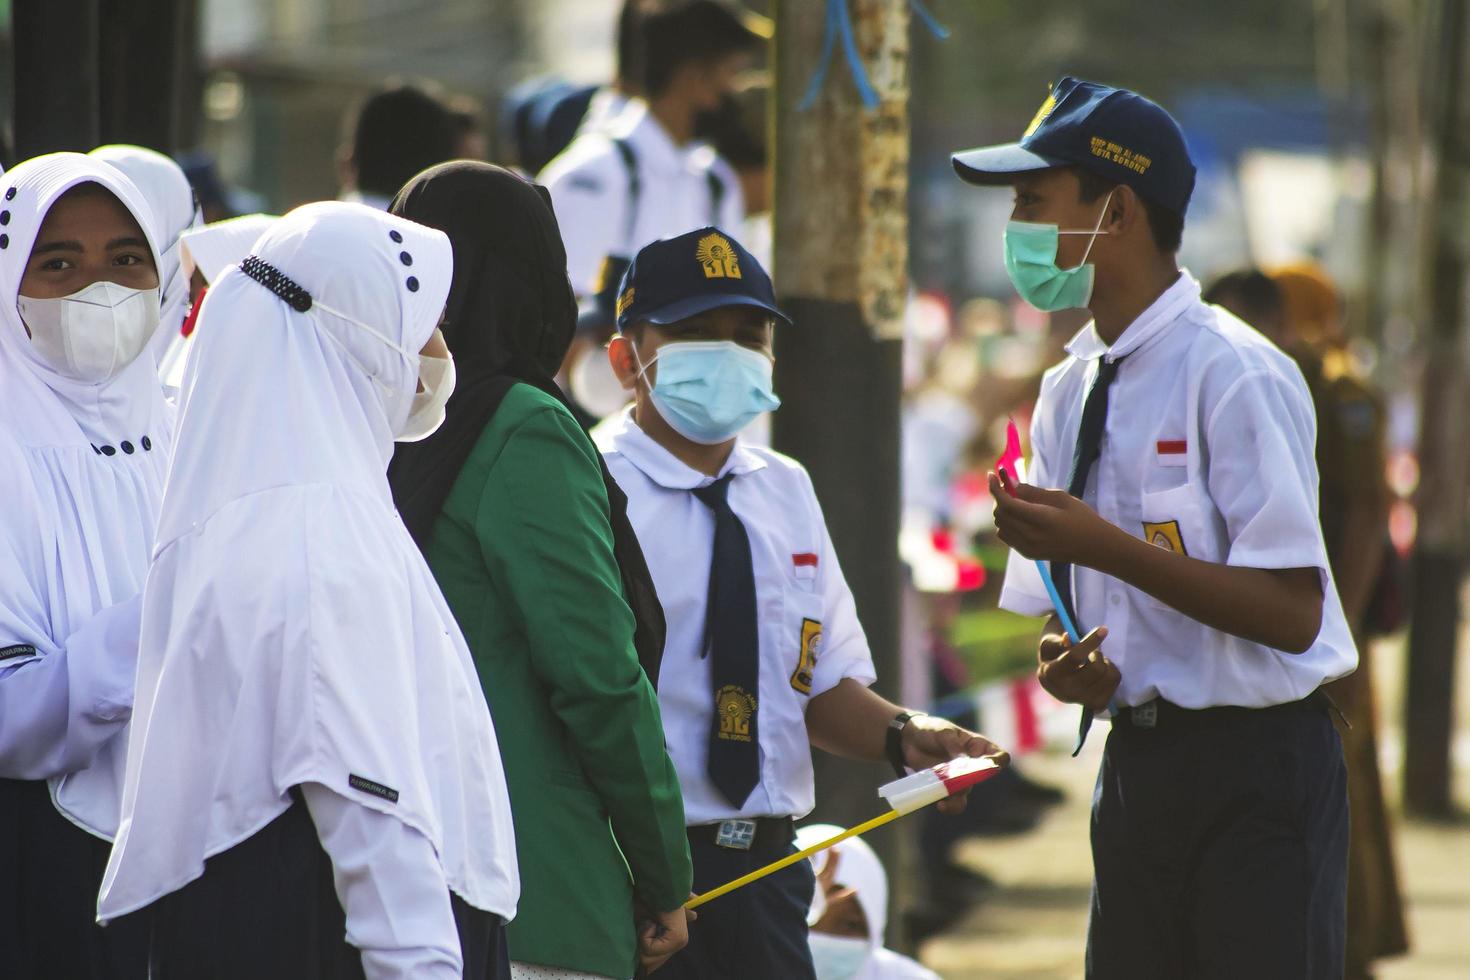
<point x="811" y="649"/>
<point x="1165" y="535"/>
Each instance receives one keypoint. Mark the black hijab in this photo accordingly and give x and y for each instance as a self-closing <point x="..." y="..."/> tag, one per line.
<point x="509" y="319"/>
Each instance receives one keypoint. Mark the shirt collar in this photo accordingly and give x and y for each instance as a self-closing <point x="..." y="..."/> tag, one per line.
<point x="1087" y="345"/>
<point x="655" y="147"/>
<point x="666" y="469"/>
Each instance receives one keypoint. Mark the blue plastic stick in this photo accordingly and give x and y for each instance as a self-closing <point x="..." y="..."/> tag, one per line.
<point x="1056" y="602"/>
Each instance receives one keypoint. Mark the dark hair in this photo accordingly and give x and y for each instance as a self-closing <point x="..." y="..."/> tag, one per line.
<point x="675" y="33"/>
<point x="398" y="132"/>
<point x="1167" y="226"/>
<point x="629" y="46"/>
<point x="1257" y="298"/>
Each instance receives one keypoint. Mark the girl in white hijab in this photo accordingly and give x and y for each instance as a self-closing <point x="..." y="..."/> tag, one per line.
<point x="84" y="441"/>
<point x="849" y="913"/>
<point x="312" y="753"/>
<point x="165" y="187"/>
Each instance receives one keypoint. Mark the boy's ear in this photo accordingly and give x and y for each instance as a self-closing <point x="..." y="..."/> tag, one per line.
<point x="624" y="363"/>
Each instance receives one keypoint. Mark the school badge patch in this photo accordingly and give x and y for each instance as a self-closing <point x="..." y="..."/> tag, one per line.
<point x="717" y="257"/>
<point x="1165" y="535"/>
<point x="811" y="649"/>
<point x="735" y="706"/>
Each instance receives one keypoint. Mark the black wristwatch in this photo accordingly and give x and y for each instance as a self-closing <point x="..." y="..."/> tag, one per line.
<point x="893" y="740"/>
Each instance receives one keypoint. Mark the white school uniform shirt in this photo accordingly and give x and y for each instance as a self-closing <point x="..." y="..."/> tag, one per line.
<point x="589" y="188"/>
<point x="802" y="602"/>
<point x="1209" y="448"/>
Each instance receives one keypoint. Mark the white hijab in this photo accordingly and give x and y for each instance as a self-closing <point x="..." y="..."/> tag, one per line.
<point x="167" y="190"/>
<point x="211" y="249"/>
<point x="81" y="471"/>
<point x="292" y="632"/>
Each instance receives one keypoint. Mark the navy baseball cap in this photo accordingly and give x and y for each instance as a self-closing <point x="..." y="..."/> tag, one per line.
<point x="1112" y="132"/>
<point x="675" y="278"/>
<point x="598" y="312"/>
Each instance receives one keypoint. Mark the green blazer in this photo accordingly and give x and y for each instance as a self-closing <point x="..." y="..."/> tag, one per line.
<point x="523" y="551"/>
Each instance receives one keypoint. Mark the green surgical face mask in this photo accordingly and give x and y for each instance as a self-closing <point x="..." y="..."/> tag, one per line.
<point x="1031" y="262"/>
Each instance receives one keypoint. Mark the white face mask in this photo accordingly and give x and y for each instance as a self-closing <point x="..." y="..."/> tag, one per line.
<point x="426" y="414"/>
<point x="838" y="957"/>
<point x="595" y="384"/>
<point x="95" y="332"/>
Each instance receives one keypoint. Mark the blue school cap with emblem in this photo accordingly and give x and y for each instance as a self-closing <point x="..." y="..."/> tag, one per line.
<point x="1111" y="132"/>
<point x="675" y="278"/>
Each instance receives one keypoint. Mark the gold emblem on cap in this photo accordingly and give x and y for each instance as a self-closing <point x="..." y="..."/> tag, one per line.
<point x="1046" y="109"/>
<point x="717" y="256"/>
<point x="625" y="301"/>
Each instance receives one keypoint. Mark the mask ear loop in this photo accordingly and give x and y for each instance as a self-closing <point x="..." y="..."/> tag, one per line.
<point x="642" y="374"/>
<point x="1097" y="229"/>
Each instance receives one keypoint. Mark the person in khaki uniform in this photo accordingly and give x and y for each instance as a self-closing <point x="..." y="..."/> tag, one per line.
<point x="1297" y="308"/>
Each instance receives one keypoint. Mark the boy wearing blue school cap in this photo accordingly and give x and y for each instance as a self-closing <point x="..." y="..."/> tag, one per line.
<point x="1174" y="493"/>
<point x="765" y="656"/>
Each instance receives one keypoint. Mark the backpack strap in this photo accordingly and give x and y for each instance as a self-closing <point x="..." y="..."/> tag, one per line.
<point x="635" y="190"/>
<point x="716" y="194"/>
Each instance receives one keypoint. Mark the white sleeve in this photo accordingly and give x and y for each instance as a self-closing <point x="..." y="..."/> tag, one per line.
<point x="845" y="652"/>
<point x="1023" y="591"/>
<point x="392" y="888"/>
<point x="589" y="199"/>
<point x="1261" y="437"/>
<point x="59" y="707"/>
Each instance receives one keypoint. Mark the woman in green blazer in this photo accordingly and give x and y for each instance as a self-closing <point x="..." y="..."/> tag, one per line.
<point x="509" y="503"/>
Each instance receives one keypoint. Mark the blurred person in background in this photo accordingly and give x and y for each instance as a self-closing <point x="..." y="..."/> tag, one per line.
<point x="737" y="131"/>
<point x="849" y="912"/>
<point x="1297" y="309"/>
<point x="393" y="134"/>
<point x="648" y="175"/>
<point x="511" y="505"/>
<point x="471" y="142"/>
<point x="586" y="375"/>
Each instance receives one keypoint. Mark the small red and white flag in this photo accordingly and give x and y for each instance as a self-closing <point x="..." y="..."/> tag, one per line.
<point x="932" y="785"/>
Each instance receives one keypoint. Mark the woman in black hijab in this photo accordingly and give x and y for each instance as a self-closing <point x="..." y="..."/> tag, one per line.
<point x="527" y="536"/>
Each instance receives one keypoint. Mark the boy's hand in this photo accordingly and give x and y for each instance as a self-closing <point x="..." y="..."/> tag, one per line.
<point x="928" y="741"/>
<point x="1078" y="674"/>
<point x="1049" y="525"/>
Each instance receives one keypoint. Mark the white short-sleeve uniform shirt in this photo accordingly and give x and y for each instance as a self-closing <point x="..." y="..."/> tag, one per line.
<point x="590" y="191"/>
<point x="1209" y="449"/>
<point x="810" y="638"/>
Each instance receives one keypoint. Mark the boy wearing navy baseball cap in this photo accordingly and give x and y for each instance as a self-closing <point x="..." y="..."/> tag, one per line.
<point x="764" y="654"/>
<point x="1174" y="493"/>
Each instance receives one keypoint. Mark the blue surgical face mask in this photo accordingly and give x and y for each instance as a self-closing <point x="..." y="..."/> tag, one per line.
<point x="838" y="957"/>
<point x="709" y="390"/>
<point x="1031" y="262"/>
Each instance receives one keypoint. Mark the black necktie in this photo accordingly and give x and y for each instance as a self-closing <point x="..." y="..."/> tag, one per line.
<point x="1089" y="447"/>
<point x="732" y="637"/>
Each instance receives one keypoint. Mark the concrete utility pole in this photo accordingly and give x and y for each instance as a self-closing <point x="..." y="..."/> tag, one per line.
<point x="841" y="271"/>
<point x="1444" y="457"/>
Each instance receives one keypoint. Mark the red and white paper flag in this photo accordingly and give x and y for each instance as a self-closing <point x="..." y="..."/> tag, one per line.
<point x="932" y="785"/>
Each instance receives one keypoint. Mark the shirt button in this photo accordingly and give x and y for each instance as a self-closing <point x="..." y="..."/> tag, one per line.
<point x="127" y="447"/>
<point x="1116" y="599"/>
<point x="147" y="444"/>
<point x="108" y="451"/>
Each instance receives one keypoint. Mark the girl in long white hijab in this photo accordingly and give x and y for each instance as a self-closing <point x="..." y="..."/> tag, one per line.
<point x="165" y="187"/>
<point x="312" y="753"/>
<point x="84" y="441"/>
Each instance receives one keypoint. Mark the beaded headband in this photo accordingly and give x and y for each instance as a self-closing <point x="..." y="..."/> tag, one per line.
<point x="277" y="282"/>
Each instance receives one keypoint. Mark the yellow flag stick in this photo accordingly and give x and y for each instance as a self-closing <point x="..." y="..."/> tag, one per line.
<point x="791" y="859"/>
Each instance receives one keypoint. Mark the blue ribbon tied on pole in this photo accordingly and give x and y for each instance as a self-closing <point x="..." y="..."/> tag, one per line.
<point x="839" y="27"/>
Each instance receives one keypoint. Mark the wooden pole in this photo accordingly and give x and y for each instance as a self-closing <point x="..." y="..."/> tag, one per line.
<point x="841" y="271"/>
<point x="1444" y="457"/>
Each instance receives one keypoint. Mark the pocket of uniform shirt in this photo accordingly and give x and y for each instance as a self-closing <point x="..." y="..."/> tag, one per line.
<point x="801" y="638"/>
<point x="1177" y="520"/>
